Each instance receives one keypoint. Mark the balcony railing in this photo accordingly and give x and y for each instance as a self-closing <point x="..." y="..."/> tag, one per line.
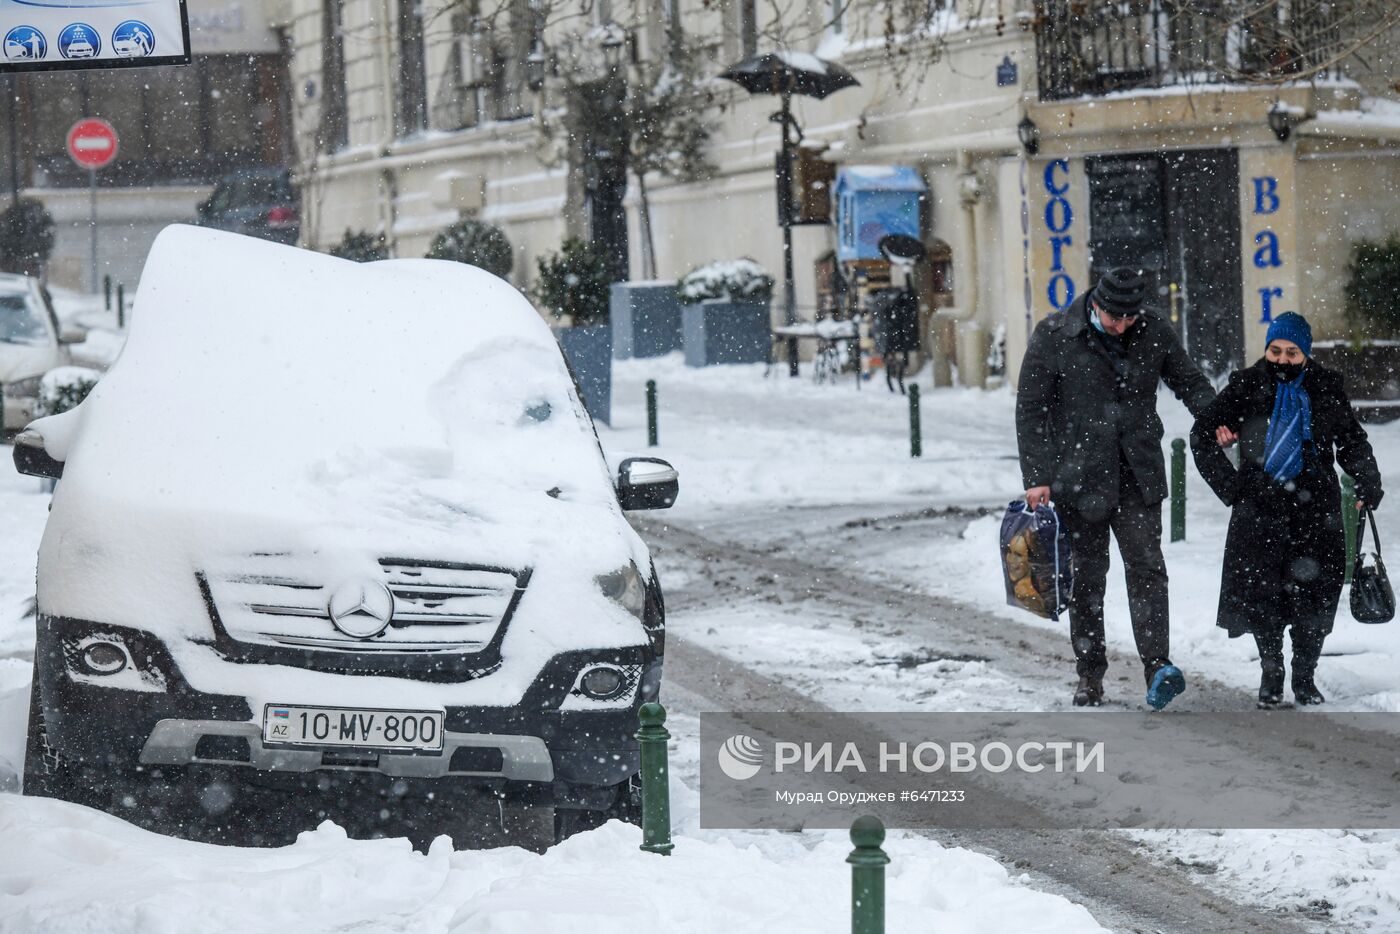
<point x="1092" y="47"/>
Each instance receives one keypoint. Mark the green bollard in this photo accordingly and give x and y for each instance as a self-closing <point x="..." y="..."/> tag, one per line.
<point x="868" y="863"/>
<point x="121" y="305"/>
<point x="651" y="413"/>
<point x="916" y="434"/>
<point x="1349" y="522"/>
<point x="656" y="788"/>
<point x="107" y="292"/>
<point x="1178" y="490"/>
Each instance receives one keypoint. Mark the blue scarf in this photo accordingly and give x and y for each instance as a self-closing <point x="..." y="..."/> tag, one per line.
<point x="1289" y="427"/>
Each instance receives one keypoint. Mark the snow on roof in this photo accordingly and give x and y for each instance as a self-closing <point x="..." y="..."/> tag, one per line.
<point x="880" y="178"/>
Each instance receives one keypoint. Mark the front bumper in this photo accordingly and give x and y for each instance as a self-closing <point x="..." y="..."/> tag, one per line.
<point x="161" y="720"/>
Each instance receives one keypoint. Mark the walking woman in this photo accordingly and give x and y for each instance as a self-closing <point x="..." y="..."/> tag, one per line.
<point x="1285" y="553"/>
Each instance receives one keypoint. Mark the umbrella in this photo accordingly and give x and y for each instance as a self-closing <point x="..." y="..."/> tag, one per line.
<point x="786" y="73"/>
<point x="789" y="73"/>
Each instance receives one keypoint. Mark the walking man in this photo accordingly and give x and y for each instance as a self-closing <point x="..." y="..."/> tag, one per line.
<point x="1089" y="436"/>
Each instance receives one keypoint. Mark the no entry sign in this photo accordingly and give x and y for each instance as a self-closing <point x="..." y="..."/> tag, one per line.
<point x="92" y="143"/>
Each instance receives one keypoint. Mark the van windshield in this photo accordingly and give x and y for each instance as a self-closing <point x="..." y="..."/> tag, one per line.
<point x="20" y="322"/>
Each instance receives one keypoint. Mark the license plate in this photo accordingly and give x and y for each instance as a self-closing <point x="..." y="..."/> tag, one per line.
<point x="344" y="726"/>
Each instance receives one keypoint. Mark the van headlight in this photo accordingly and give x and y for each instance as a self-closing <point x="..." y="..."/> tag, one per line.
<point x="626" y="587"/>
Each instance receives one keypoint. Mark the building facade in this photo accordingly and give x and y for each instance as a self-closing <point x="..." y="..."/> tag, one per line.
<point x="1053" y="142"/>
<point x="179" y="128"/>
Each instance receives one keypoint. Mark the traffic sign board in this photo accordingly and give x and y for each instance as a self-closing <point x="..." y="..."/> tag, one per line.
<point x="92" y="143"/>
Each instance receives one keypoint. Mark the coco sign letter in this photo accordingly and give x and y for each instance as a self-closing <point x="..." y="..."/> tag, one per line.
<point x="48" y="35"/>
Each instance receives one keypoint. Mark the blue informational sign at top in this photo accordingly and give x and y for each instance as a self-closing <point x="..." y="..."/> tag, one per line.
<point x="52" y="34"/>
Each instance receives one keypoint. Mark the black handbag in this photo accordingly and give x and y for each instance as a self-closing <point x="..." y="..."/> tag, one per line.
<point x="1372" y="600"/>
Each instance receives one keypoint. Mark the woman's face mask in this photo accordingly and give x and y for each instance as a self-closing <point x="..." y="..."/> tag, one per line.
<point x="1284" y="372"/>
<point x="1284" y="359"/>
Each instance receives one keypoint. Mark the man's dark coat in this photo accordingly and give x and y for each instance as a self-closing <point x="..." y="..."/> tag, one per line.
<point x="1083" y="411"/>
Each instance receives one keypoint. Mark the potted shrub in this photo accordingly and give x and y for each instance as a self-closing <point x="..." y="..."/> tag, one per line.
<point x="574" y="287"/>
<point x="1370" y="362"/>
<point x="361" y="246"/>
<point x="724" y="313"/>
<point x="475" y="243"/>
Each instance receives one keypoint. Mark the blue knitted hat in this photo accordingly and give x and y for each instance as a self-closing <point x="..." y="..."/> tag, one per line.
<point x="1291" y="326"/>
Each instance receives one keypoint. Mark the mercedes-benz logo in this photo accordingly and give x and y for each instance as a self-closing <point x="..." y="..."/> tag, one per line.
<point x="361" y="608"/>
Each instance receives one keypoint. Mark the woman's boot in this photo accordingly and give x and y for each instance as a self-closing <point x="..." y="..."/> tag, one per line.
<point x="1271" y="668"/>
<point x="1307" y="649"/>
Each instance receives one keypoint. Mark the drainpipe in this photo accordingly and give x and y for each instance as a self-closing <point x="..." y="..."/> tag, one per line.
<point x="967" y="340"/>
<point x="388" y="185"/>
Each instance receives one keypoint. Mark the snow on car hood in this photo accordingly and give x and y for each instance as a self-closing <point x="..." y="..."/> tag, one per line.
<point x="271" y="400"/>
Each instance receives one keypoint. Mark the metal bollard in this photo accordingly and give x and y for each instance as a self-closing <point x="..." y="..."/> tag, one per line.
<point x="651" y="413"/>
<point x="1178" y="490"/>
<point x="2" y="413"/>
<point x="656" y="787"/>
<point x="868" y="861"/>
<point x="121" y="305"/>
<point x="1349" y="522"/>
<point x="107" y="292"/>
<point x="916" y="438"/>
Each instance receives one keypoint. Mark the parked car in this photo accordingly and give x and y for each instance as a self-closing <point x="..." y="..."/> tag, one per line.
<point x="256" y="202"/>
<point x="32" y="342"/>
<point x="338" y="540"/>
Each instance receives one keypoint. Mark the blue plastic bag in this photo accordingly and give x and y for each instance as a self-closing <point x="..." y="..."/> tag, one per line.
<point x="1035" y="559"/>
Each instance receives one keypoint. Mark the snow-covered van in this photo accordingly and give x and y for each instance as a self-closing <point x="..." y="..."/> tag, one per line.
<point x="339" y="537"/>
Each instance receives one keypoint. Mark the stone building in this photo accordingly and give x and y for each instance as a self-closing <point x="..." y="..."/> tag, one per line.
<point x="1236" y="158"/>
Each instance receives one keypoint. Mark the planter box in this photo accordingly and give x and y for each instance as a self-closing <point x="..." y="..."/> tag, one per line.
<point x="721" y="331"/>
<point x="1372" y="374"/>
<point x="646" y="319"/>
<point x="589" y="352"/>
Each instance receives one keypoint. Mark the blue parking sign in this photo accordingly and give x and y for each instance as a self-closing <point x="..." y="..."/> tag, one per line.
<point x="25" y="44"/>
<point x="79" y="40"/>
<point x="133" y="39"/>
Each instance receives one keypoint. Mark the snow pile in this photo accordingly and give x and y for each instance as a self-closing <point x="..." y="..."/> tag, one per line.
<point x="733" y="279"/>
<point x="67" y="869"/>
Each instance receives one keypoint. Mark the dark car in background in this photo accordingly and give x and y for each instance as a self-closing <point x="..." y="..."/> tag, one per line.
<point x="258" y="203"/>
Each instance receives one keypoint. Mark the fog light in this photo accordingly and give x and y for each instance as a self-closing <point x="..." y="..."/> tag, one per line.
<point x="602" y="683"/>
<point x="104" y="658"/>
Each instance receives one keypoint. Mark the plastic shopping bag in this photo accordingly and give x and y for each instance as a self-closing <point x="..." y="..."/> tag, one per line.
<point x="1035" y="559"/>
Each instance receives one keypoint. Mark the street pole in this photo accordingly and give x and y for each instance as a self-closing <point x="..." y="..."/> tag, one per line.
<point x="11" y="91"/>
<point x="92" y="228"/>
<point x="785" y="215"/>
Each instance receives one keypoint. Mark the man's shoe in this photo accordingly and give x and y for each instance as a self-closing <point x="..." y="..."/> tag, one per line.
<point x="1089" y="693"/>
<point x="1166" y="684"/>
<point x="1271" y="688"/>
<point x="1305" y="692"/>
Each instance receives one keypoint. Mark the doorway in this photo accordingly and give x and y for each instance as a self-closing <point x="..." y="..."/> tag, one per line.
<point x="1176" y="216"/>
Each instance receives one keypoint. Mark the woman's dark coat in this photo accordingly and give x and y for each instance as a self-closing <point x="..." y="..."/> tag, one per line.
<point x="1285" y="553"/>
<point x="1083" y="411"/>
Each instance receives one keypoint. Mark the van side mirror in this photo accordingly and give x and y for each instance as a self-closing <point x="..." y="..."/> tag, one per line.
<point x="32" y="459"/>
<point x="647" y="483"/>
<point x="72" y="334"/>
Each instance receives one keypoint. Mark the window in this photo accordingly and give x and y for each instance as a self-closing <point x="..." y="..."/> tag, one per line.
<point x="334" y="130"/>
<point x="413" y="84"/>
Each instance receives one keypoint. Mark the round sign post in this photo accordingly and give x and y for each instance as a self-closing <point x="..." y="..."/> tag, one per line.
<point x="92" y="144"/>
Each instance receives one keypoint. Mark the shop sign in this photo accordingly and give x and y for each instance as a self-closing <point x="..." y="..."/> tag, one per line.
<point x="47" y="35"/>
